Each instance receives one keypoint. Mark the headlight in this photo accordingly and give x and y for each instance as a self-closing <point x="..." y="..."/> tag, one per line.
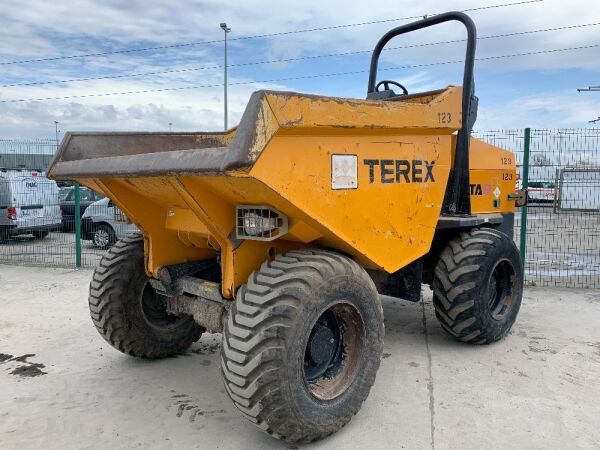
<point x="261" y="223"/>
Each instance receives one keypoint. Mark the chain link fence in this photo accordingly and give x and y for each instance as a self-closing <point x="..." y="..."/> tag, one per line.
<point x="38" y="216"/>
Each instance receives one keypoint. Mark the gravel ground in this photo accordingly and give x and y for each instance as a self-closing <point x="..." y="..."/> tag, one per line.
<point x="62" y="386"/>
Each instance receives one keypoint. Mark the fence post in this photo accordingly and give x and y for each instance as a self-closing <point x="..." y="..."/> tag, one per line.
<point x="77" y="226"/>
<point x="525" y="185"/>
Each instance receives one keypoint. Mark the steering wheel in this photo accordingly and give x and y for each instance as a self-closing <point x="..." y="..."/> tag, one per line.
<point x="386" y="85"/>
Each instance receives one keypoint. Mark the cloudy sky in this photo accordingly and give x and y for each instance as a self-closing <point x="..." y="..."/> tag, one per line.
<point x="527" y="79"/>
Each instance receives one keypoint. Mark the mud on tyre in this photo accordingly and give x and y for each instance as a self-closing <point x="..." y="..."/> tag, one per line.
<point x="126" y="310"/>
<point x="478" y="285"/>
<point x="302" y="344"/>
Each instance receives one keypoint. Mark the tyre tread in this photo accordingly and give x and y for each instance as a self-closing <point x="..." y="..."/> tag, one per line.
<point x="107" y="294"/>
<point x="254" y="347"/>
<point x="456" y="279"/>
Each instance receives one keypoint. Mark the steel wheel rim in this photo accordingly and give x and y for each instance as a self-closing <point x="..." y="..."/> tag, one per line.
<point x="154" y="309"/>
<point x="500" y="290"/>
<point x="333" y="351"/>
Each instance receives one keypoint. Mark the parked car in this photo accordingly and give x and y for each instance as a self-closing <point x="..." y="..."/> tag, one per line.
<point x="67" y="204"/>
<point x="103" y="223"/>
<point x="28" y="204"/>
<point x="540" y="191"/>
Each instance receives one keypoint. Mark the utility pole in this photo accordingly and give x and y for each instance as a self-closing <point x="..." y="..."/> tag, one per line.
<point x="56" y="131"/>
<point x="226" y="29"/>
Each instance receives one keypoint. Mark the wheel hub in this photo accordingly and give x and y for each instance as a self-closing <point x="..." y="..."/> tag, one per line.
<point x="500" y="290"/>
<point x="322" y="345"/>
<point x="333" y="351"/>
<point x="154" y="309"/>
<point x="322" y="350"/>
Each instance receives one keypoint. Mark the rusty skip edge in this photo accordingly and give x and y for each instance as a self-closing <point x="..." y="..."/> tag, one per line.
<point x="111" y="155"/>
<point x="131" y="154"/>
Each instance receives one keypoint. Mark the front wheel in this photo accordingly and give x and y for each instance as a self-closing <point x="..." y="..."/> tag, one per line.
<point x="478" y="285"/>
<point x="302" y="344"/>
<point x="127" y="311"/>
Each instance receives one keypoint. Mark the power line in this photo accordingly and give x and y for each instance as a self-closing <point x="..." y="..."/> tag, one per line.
<point x="301" y="58"/>
<point x="256" y="36"/>
<point x="145" y="91"/>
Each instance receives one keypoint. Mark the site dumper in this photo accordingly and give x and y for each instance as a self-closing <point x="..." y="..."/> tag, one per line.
<point x="281" y="232"/>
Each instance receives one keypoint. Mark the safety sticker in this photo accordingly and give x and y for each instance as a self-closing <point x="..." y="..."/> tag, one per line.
<point x="344" y="172"/>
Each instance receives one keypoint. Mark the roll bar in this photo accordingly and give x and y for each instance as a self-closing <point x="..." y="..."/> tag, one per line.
<point x="457" y="199"/>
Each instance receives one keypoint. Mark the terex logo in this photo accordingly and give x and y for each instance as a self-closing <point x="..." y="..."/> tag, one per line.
<point x="400" y="170"/>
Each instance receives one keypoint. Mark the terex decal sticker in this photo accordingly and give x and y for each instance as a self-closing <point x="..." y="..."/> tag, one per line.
<point x="400" y="171"/>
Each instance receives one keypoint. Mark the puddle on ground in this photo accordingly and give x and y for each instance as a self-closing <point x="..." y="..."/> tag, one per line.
<point x="27" y="369"/>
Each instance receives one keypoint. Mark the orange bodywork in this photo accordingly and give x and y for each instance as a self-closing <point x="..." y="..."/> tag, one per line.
<point x="390" y="159"/>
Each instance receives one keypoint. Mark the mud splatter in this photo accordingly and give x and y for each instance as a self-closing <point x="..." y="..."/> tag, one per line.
<point x="33" y="370"/>
<point x="198" y="413"/>
<point x="206" y="349"/>
<point x="27" y="369"/>
<point x="543" y="350"/>
<point x="184" y="403"/>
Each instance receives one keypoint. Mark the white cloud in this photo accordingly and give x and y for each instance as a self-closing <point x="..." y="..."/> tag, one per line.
<point x="33" y="29"/>
<point x="565" y="108"/>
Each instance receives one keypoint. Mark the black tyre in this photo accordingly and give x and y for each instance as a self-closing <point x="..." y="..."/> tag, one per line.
<point x="40" y="234"/>
<point x="128" y="313"/>
<point x="478" y="285"/>
<point x="302" y="344"/>
<point x="103" y="236"/>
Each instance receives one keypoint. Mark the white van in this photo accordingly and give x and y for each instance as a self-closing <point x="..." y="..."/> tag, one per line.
<point x="28" y="203"/>
<point x="103" y="223"/>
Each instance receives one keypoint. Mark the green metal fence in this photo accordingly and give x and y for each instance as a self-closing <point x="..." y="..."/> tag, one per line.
<point x="40" y="219"/>
<point x="558" y="233"/>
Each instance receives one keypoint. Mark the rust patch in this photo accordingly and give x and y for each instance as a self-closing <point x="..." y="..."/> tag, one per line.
<point x="265" y="128"/>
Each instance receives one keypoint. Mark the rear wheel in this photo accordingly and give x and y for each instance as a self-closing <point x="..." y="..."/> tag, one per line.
<point x="40" y="234"/>
<point x="302" y="344"/>
<point x="478" y="285"/>
<point x="127" y="311"/>
<point x="104" y="236"/>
